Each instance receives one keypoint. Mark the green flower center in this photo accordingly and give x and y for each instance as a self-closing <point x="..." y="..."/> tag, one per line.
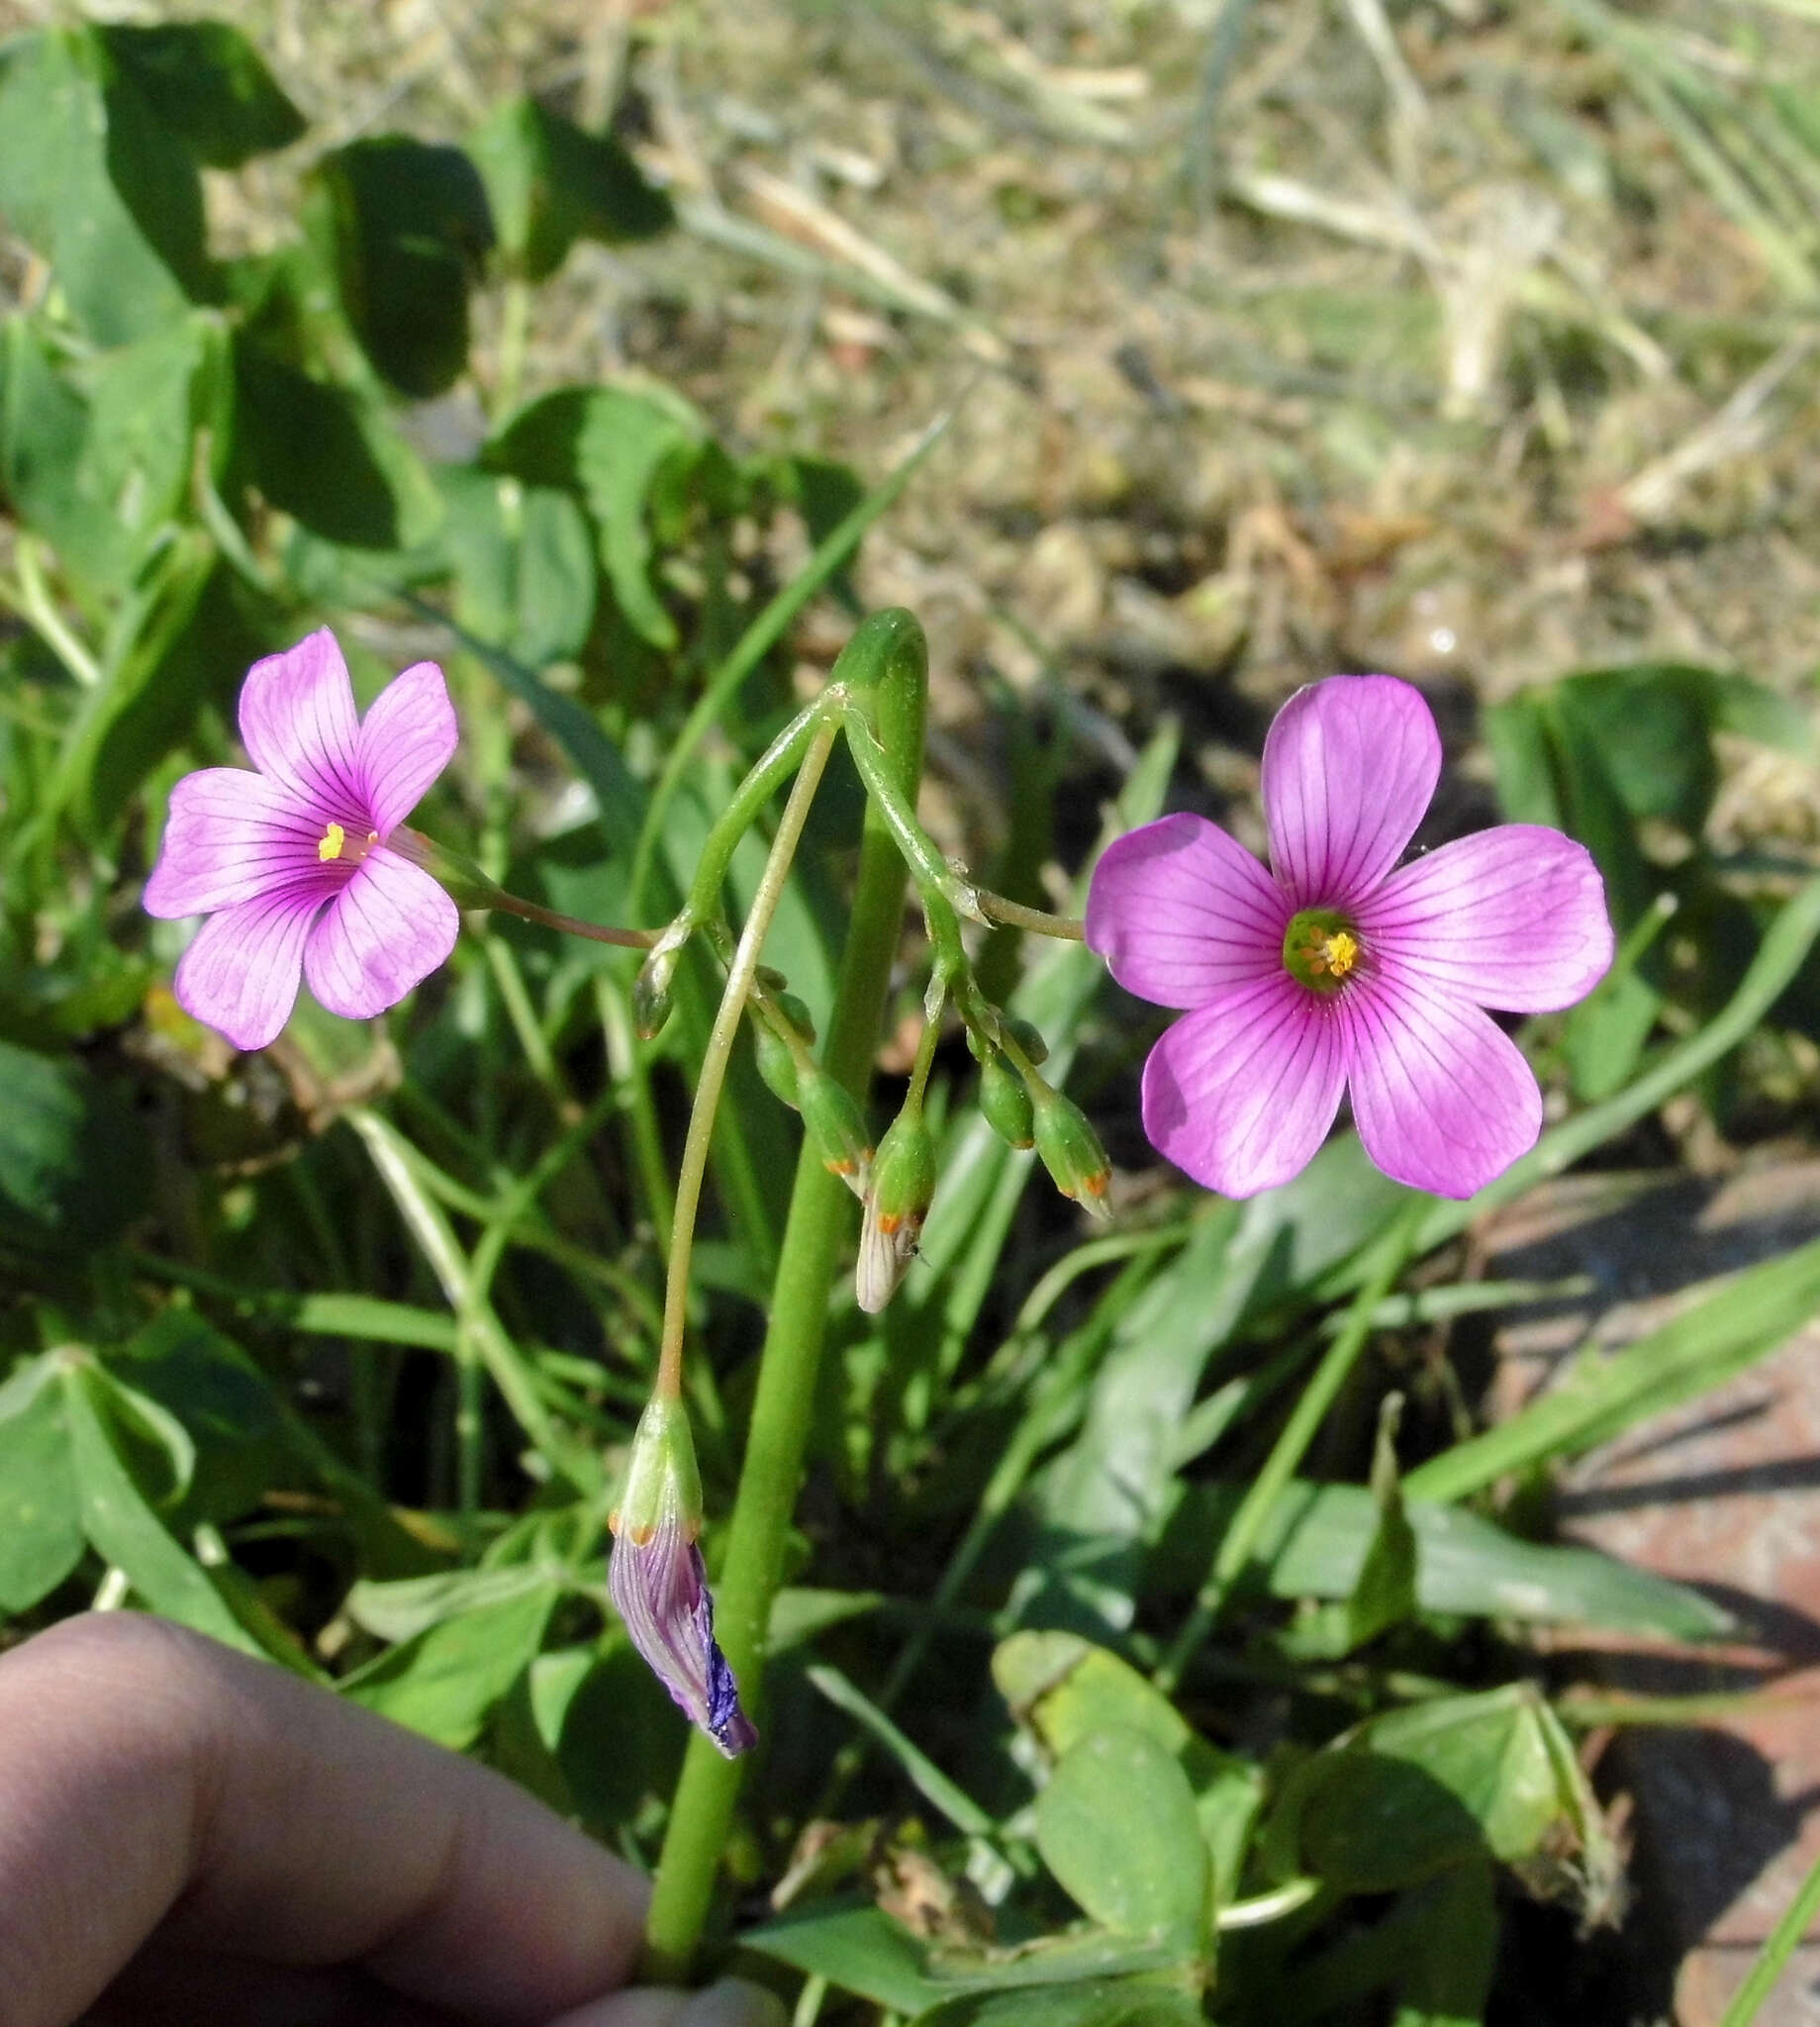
<point x="1320" y="947"/>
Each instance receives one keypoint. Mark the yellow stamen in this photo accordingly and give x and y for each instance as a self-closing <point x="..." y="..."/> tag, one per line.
<point x="333" y="840"/>
<point x="1335" y="954"/>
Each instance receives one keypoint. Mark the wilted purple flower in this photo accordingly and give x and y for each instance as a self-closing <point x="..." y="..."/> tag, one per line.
<point x="1331" y="969"/>
<point x="659" y="1584"/>
<point x="291" y="864"/>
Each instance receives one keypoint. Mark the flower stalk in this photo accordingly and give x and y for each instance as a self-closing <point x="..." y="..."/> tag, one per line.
<point x="886" y="661"/>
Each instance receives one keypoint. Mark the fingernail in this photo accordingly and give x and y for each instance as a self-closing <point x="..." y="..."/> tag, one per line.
<point x="734" y="2002"/>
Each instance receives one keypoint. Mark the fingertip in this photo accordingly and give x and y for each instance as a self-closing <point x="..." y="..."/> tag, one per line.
<point x="733" y="2002"/>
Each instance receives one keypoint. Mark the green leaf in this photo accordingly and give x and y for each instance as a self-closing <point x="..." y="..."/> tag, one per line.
<point x="41" y="1514"/>
<point x="1315" y="1540"/>
<point x="408" y="224"/>
<point x="627" y="442"/>
<point x="326" y="457"/>
<point x="1651" y="728"/>
<point x="73" y="1159"/>
<point x="522" y="561"/>
<point x="860" y="1949"/>
<point x="45" y="436"/>
<point x="550" y="183"/>
<point x="208" y="83"/>
<point x="1385" y="1592"/>
<point x="222" y="1400"/>
<point x="94" y="182"/>
<point x="402" y="1609"/>
<point x="443" y="1680"/>
<point x="123" y="1530"/>
<point x="1065" y="1688"/>
<point x="1100" y="2002"/>
<point x="1116" y="1826"/>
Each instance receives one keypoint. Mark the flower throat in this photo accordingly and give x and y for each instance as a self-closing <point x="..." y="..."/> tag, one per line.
<point x="1320" y="950"/>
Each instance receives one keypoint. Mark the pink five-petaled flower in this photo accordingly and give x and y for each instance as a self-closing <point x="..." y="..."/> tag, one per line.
<point x="291" y="864"/>
<point x="1332" y="969"/>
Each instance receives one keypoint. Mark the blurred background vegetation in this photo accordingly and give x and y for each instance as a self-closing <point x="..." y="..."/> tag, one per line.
<point x="577" y="346"/>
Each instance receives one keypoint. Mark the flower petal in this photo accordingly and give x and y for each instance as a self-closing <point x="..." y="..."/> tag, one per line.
<point x="1350" y="765"/>
<point x="231" y="834"/>
<point x="1181" y="912"/>
<point x="407" y="738"/>
<point x="659" y="1588"/>
<point x="389" y="927"/>
<point x="1240" y="1094"/>
<point x="1441" y="1094"/>
<point x="298" y="723"/>
<point x="239" y="971"/>
<point x="1512" y="917"/>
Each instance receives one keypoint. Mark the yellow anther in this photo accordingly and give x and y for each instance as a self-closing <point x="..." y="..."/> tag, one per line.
<point x="331" y="843"/>
<point x="1336" y="955"/>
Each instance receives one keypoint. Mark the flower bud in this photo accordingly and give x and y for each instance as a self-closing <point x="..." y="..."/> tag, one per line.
<point x="1071" y="1151"/>
<point x="651" y="995"/>
<point x="1005" y="1103"/>
<point x="897" y="1202"/>
<point x="833" y="1115"/>
<point x="1029" y="1037"/>
<point x="659" y="1585"/>
<point x="777" y="1065"/>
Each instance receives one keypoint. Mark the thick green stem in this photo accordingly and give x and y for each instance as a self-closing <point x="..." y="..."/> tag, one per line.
<point x="888" y="651"/>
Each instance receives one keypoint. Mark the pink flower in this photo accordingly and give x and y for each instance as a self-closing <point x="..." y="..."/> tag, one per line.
<point x="1331" y="969"/>
<point x="291" y="864"/>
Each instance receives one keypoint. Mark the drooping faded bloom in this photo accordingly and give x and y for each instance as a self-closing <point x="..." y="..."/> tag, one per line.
<point x="659" y="1584"/>
<point x="292" y="864"/>
<point x="1330" y="969"/>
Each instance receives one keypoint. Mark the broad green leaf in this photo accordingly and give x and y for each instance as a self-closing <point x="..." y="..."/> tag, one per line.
<point x="550" y="183"/>
<point x="1651" y="726"/>
<point x="73" y="1159"/>
<point x="522" y="561"/>
<point x="1313" y="1546"/>
<point x="626" y="442"/>
<point x="40" y="1514"/>
<point x="410" y="1606"/>
<point x="1436" y="1950"/>
<point x="1116" y="1826"/>
<point x="408" y="224"/>
<point x="860" y="1949"/>
<point x="443" y="1680"/>
<point x="123" y="1530"/>
<point x="221" y="1400"/>
<point x="328" y="457"/>
<point x="208" y="83"/>
<point x="1099" y="2002"/>
<point x="1065" y="1688"/>
<point x="98" y="185"/>
<point x="44" y="437"/>
<point x="1364" y="1822"/>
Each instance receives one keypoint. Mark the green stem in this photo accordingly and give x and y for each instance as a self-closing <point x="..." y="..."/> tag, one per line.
<point x="1014" y="915"/>
<point x="1241" y="1537"/>
<point x="719" y="1050"/>
<point x="513" y="329"/>
<point x="889" y="650"/>
<point x="626" y="1066"/>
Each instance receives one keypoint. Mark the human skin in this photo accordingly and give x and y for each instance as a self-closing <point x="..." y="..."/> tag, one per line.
<point x="188" y="1834"/>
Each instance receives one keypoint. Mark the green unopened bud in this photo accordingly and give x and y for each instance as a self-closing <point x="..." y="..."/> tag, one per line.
<point x="897" y="1202"/>
<point x="1027" y="1037"/>
<point x="796" y="1013"/>
<point x="833" y="1115"/>
<point x="777" y="1064"/>
<point x="662" y="1481"/>
<point x="651" y="996"/>
<point x="1071" y="1152"/>
<point x="1005" y="1103"/>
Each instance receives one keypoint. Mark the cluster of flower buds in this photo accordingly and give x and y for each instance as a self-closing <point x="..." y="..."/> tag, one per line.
<point x="658" y="1582"/>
